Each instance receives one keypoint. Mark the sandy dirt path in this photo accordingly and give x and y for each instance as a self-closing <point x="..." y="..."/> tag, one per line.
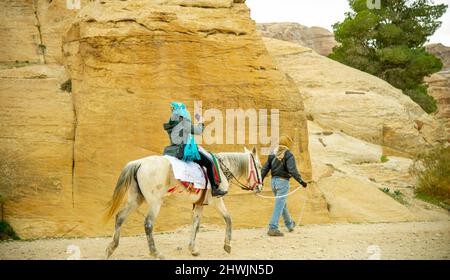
<point x="412" y="240"/>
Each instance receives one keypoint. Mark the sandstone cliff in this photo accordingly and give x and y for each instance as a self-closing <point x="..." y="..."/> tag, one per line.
<point x="317" y="38"/>
<point x="439" y="83"/>
<point x="61" y="152"/>
<point x="322" y="42"/>
<point x="31" y="30"/>
<point x="344" y="99"/>
<point x="351" y="177"/>
<point x="36" y="147"/>
<point x="127" y="61"/>
<point x="441" y="51"/>
<point x="18" y="32"/>
<point x="356" y="118"/>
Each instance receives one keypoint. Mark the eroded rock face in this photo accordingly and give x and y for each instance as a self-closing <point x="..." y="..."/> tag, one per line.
<point x="128" y="60"/>
<point x="344" y="99"/>
<point x="132" y="65"/>
<point x="441" y="51"/>
<point x="54" y="19"/>
<point x="37" y="117"/>
<point x="354" y="181"/>
<point x="439" y="83"/>
<point x="36" y="147"/>
<point x="439" y="88"/>
<point x="317" y="38"/>
<point x="32" y="30"/>
<point x="19" y="33"/>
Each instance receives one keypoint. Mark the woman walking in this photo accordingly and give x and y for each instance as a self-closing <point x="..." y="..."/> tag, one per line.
<point x="282" y="165"/>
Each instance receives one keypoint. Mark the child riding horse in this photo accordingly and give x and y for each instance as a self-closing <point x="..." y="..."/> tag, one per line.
<point x="183" y="146"/>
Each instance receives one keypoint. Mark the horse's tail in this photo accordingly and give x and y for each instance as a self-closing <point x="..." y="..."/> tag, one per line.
<point x="126" y="178"/>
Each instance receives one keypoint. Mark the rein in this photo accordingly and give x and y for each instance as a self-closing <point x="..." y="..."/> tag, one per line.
<point x="229" y="175"/>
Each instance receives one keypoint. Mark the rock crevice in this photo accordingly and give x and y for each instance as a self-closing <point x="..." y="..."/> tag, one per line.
<point x="41" y="46"/>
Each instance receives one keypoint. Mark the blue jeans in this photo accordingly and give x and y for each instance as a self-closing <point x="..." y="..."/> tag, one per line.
<point x="280" y="187"/>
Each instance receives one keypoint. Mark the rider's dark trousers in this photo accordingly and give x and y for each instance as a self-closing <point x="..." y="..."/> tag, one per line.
<point x="206" y="162"/>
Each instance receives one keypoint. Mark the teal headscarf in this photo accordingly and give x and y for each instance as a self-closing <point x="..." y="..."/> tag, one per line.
<point x="190" y="150"/>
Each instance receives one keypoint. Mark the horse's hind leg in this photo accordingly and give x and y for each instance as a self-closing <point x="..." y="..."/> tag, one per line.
<point x="197" y="213"/>
<point x="135" y="199"/>
<point x="149" y="222"/>
<point x="220" y="206"/>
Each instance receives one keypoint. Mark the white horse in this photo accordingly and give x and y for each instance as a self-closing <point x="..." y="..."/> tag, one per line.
<point x="150" y="179"/>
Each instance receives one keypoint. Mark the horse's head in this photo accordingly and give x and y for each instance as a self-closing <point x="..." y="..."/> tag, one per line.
<point x="254" y="180"/>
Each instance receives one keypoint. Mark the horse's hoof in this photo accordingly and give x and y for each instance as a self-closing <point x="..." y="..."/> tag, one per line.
<point x="157" y="256"/>
<point x="227" y="248"/>
<point x="195" y="253"/>
<point x="108" y="254"/>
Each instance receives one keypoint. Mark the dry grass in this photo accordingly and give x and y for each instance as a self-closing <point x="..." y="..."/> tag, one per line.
<point x="432" y="170"/>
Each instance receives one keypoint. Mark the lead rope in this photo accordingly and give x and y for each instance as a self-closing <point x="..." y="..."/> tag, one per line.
<point x="280" y="196"/>
<point x="229" y="175"/>
<point x="302" y="210"/>
<point x="294" y="191"/>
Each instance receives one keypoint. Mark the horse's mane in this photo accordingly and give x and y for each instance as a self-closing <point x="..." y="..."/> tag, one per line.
<point x="236" y="162"/>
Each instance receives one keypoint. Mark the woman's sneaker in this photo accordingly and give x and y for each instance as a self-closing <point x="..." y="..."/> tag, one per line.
<point x="291" y="228"/>
<point x="274" y="232"/>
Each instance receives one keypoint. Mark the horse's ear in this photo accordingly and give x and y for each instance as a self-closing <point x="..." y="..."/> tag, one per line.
<point x="246" y="150"/>
<point x="254" y="151"/>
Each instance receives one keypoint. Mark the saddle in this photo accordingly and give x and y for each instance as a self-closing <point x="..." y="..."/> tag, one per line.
<point x="175" y="152"/>
<point x="193" y="176"/>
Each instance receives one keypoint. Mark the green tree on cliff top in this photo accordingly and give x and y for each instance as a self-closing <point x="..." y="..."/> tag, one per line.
<point x="389" y="43"/>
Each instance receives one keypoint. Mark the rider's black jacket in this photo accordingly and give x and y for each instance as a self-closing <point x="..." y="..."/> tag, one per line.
<point x="182" y="128"/>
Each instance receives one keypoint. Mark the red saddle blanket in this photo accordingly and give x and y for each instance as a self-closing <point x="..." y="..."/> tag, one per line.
<point x="188" y="186"/>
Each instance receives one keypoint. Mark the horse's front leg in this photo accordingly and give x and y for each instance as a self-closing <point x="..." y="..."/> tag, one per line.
<point x="220" y="206"/>
<point x="196" y="216"/>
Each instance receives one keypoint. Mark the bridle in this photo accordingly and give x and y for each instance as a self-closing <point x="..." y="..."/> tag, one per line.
<point x="253" y="173"/>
